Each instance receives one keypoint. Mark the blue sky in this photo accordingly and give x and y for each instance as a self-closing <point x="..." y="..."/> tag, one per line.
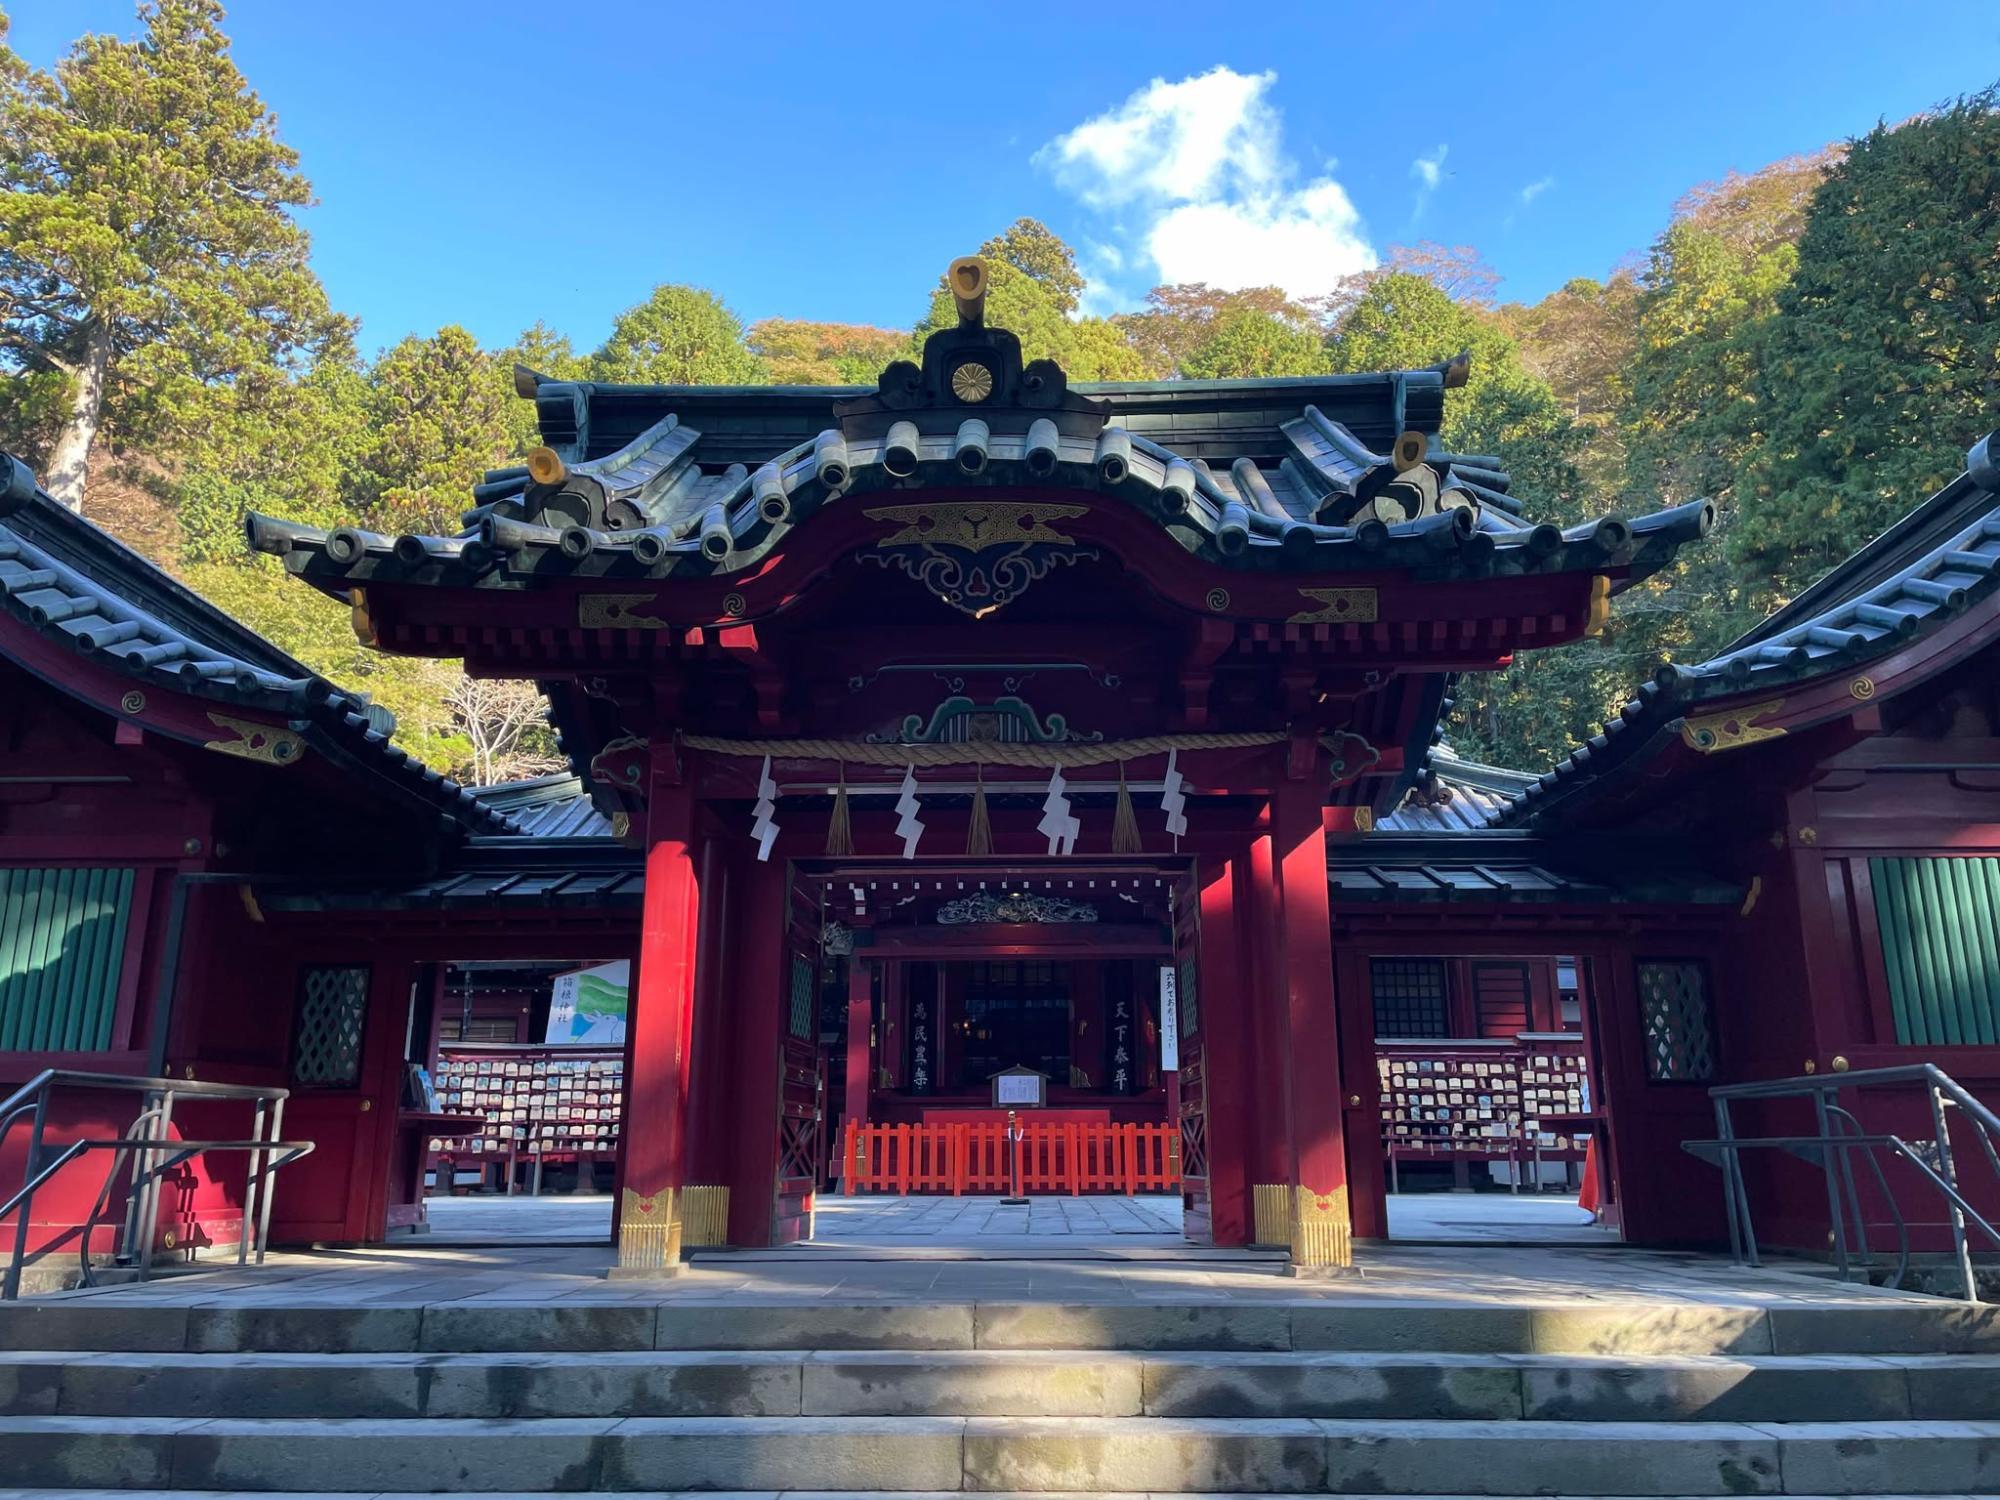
<point x="491" y="163"/>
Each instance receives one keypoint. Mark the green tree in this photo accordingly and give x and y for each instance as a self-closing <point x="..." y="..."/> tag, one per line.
<point x="295" y="446"/>
<point x="1039" y="253"/>
<point x="1404" y="321"/>
<point x="1399" y="319"/>
<point x="546" y="352"/>
<point x="796" y="351"/>
<point x="1881" y="363"/>
<point x="680" y="335"/>
<point x="148" y="240"/>
<point x="1245" y="344"/>
<point x="438" y="409"/>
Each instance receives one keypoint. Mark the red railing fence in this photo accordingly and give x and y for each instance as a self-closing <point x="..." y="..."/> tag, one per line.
<point x="963" y="1158"/>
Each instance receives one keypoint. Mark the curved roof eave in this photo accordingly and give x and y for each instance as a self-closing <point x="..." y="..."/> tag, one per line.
<point x="1931" y="568"/>
<point x="81" y="589"/>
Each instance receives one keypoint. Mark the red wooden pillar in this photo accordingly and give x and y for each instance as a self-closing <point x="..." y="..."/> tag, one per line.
<point x="758" y="1010"/>
<point x="1267" y="1014"/>
<point x="702" y="1210"/>
<point x="658" y="1024"/>
<point x="860" y="1044"/>
<point x="1225" y="1000"/>
<point x="1321" y="1226"/>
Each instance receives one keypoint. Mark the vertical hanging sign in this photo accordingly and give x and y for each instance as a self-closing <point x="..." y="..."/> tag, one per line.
<point x="920" y="1045"/>
<point x="1170" y="1021"/>
<point x="1122" y="1076"/>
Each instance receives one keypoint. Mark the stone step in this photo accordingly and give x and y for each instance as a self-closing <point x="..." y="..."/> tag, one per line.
<point x="1888" y="1324"/>
<point x="952" y="1383"/>
<point x="1075" y="1454"/>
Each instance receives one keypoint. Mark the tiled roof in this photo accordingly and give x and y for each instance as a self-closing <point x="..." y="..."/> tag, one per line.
<point x="1313" y="475"/>
<point x="1931" y="567"/>
<point x="547" y="807"/>
<point x="77" y="586"/>
<point x="488" y="874"/>
<point x="1457" y="866"/>
<point x="1455" y="796"/>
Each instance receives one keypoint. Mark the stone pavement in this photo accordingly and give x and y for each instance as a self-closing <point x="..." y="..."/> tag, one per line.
<point x="1140" y="1271"/>
<point x="878" y="1218"/>
<point x="568" y="1218"/>
<point x="1502" y="1218"/>
<point x="1054" y="1224"/>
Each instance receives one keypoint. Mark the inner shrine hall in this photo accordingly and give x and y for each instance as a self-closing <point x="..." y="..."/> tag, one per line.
<point x="1012" y="695"/>
<point x="976" y="753"/>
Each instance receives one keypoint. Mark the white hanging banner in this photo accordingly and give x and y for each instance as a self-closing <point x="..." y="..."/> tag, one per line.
<point x="909" y="827"/>
<point x="1170" y="1020"/>
<point x="764" y="827"/>
<point x="1059" y="824"/>
<point x="1172" y="802"/>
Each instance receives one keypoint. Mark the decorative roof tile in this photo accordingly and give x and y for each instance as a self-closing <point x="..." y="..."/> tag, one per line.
<point x="1311" y="475"/>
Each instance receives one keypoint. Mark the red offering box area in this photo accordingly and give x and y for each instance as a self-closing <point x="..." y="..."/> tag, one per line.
<point x="1485" y="1100"/>
<point x="555" y="1103"/>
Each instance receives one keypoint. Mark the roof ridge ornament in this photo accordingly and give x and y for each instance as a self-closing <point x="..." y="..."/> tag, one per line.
<point x="970" y="370"/>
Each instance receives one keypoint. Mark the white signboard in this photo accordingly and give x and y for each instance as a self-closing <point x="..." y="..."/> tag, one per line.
<point x="1170" y="1021"/>
<point x="1017" y="1088"/>
<point x="587" y="1006"/>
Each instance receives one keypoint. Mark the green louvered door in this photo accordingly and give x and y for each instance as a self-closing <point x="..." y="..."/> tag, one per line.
<point x="1940" y="924"/>
<point x="62" y="948"/>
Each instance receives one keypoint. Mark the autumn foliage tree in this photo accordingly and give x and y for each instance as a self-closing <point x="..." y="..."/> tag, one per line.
<point x="796" y="351"/>
<point x="148" y="249"/>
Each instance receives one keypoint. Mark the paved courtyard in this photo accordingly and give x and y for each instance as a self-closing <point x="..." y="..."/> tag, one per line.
<point x="1048" y="1224"/>
<point x="1142" y="1270"/>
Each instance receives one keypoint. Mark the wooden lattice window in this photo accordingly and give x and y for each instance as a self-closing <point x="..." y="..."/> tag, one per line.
<point x="1939" y="920"/>
<point x="1187" y="1000"/>
<point x="1412" y="998"/>
<point x="62" y="953"/>
<point x="801" y="1023"/>
<point x="1677" y="1020"/>
<point x="326" y="1039"/>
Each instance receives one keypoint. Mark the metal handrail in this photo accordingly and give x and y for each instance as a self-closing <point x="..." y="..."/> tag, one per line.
<point x="153" y="1153"/>
<point x="1838" y="1136"/>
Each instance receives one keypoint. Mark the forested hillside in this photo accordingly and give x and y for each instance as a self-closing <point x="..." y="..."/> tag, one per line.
<point x="1813" y="344"/>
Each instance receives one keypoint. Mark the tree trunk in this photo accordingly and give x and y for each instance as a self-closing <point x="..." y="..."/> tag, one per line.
<point x="69" y="459"/>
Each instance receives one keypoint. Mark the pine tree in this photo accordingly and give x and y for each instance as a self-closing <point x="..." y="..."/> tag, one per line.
<point x="148" y="246"/>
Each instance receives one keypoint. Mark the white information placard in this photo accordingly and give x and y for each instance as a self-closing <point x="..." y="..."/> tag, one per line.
<point x="1017" y="1088"/>
<point x="1170" y="1020"/>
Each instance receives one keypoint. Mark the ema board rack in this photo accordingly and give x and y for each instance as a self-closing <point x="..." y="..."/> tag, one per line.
<point x="540" y="1103"/>
<point x="1481" y="1099"/>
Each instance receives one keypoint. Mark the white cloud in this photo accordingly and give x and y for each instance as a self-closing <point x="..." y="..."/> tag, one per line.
<point x="1197" y="177"/>
<point x="1429" y="172"/>
<point x="1523" y="198"/>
